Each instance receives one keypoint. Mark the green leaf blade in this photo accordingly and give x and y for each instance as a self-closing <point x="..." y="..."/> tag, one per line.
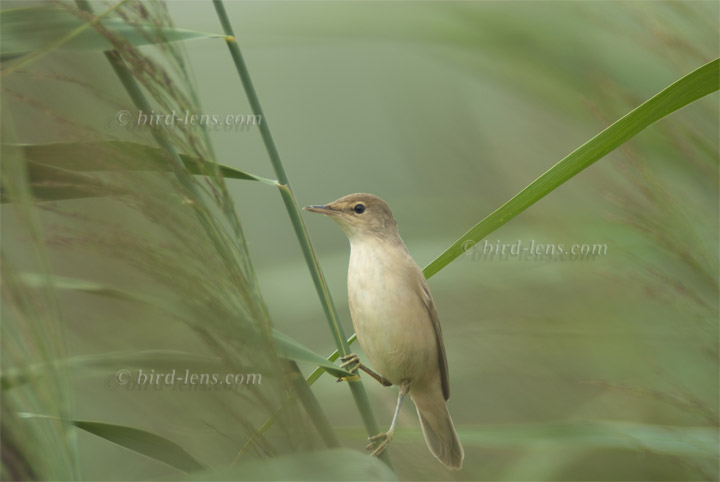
<point x="25" y="30"/>
<point x="144" y="443"/>
<point x="139" y="441"/>
<point x="55" y="169"/>
<point x="296" y="351"/>
<point x="690" y="88"/>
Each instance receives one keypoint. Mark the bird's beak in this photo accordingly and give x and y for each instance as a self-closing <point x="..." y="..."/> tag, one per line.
<point x="322" y="209"/>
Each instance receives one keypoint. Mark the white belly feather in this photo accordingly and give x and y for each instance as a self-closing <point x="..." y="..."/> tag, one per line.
<point x="392" y="323"/>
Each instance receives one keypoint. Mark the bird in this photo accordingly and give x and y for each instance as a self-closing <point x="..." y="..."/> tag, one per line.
<point x="397" y="325"/>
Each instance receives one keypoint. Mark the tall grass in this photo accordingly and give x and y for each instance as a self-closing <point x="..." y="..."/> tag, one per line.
<point x="173" y="239"/>
<point x="122" y="249"/>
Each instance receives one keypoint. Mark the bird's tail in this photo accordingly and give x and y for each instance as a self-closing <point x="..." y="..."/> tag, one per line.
<point x="438" y="428"/>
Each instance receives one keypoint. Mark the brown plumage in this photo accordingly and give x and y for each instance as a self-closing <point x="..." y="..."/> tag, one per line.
<point x="394" y="316"/>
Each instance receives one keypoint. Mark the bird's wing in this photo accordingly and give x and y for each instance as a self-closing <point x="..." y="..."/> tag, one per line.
<point x="442" y="359"/>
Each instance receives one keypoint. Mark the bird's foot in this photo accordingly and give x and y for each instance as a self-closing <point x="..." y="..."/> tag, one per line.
<point x="350" y="363"/>
<point x="378" y="443"/>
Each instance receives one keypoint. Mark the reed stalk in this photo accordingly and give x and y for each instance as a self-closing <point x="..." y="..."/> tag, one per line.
<point x="358" y="391"/>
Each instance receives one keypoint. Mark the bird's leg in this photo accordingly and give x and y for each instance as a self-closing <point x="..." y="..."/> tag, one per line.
<point x="381" y="379"/>
<point x="378" y="443"/>
<point x="352" y="363"/>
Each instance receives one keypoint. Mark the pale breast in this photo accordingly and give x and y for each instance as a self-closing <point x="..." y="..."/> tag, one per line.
<point x="388" y="314"/>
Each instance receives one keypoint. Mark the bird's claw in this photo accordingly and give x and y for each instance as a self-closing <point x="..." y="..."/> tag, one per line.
<point x="350" y="363"/>
<point x="378" y="443"/>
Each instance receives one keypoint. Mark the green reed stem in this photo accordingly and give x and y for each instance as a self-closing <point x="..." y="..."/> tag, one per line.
<point x="356" y="387"/>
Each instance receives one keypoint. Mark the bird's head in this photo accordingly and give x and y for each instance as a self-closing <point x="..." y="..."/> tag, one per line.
<point x="360" y="215"/>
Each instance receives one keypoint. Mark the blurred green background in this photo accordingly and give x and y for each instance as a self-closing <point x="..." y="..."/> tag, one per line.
<point x="446" y="110"/>
<point x="602" y="368"/>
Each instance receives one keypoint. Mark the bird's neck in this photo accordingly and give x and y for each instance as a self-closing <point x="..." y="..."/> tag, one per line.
<point x="378" y="262"/>
<point x="387" y="244"/>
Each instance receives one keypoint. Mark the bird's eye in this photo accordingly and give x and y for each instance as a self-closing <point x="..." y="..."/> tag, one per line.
<point x="359" y="208"/>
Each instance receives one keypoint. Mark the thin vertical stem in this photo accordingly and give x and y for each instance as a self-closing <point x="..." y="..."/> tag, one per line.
<point x="252" y="96"/>
<point x="356" y="387"/>
<point x="312" y="262"/>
